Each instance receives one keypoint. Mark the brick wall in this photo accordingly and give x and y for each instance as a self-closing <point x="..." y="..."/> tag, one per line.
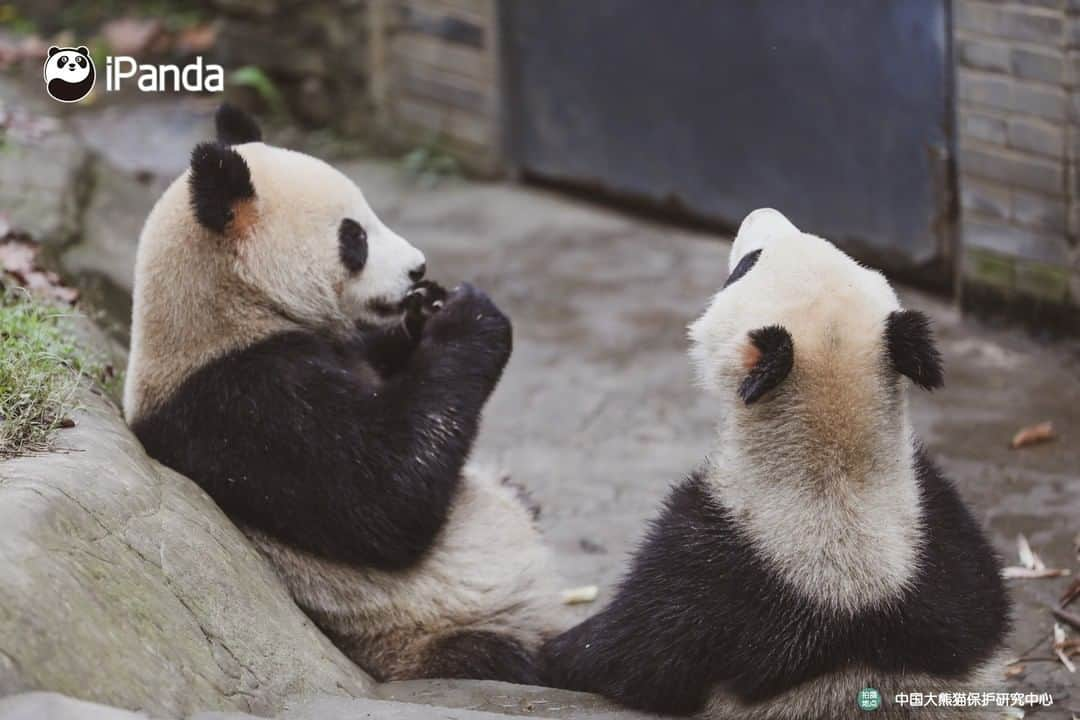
<point x="434" y="76"/>
<point x="1018" y="102"/>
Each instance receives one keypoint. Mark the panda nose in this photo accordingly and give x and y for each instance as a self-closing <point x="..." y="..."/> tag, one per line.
<point x="417" y="273"/>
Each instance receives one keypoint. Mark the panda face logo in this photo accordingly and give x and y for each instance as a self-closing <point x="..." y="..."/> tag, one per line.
<point x="69" y="73"/>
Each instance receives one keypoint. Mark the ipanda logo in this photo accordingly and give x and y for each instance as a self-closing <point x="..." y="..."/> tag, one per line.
<point x="70" y="75"/>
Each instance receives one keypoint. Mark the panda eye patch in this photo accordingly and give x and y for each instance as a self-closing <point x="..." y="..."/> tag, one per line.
<point x="62" y="61"/>
<point x="748" y="261"/>
<point x="352" y="245"/>
<point x="81" y="61"/>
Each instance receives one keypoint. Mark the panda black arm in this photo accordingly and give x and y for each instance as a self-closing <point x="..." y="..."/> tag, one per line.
<point x="654" y="647"/>
<point x="698" y="610"/>
<point x="388" y="349"/>
<point x="288" y="440"/>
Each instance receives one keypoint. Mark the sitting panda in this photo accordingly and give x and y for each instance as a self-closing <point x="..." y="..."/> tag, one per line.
<point x="817" y="551"/>
<point x="287" y="357"/>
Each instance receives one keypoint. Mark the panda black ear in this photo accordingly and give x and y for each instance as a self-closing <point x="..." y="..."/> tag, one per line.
<point x="768" y="358"/>
<point x="235" y="127"/>
<point x="82" y="50"/>
<point x="53" y="50"/>
<point x="220" y="180"/>
<point x="912" y="352"/>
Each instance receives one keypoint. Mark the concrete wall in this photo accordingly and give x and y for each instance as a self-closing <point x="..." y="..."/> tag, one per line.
<point x="1018" y="105"/>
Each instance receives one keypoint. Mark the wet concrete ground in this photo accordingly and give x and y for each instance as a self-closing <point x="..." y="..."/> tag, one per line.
<point x="596" y="413"/>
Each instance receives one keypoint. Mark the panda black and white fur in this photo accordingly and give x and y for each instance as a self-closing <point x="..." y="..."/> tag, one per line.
<point x="817" y="551"/>
<point x="271" y="363"/>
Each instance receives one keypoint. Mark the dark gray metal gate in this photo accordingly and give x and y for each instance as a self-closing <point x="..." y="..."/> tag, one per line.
<point x="836" y="112"/>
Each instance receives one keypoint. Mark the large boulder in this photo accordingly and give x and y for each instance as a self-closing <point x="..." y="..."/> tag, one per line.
<point x="122" y="583"/>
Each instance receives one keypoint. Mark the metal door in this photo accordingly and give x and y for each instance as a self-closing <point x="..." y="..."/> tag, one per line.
<point x="836" y="112"/>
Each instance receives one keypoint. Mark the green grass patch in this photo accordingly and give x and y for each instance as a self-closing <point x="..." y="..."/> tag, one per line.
<point x="40" y="371"/>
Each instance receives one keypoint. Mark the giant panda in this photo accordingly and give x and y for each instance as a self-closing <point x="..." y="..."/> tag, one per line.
<point x="817" y="552"/>
<point x="288" y="358"/>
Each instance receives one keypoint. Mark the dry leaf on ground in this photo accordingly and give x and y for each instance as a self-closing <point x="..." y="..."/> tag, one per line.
<point x="576" y="596"/>
<point x="1031" y="565"/>
<point x="1033" y="435"/>
<point x="1062" y="647"/>
<point x="18" y="259"/>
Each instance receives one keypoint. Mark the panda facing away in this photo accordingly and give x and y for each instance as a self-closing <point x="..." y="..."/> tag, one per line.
<point x="287" y="357"/>
<point x="817" y="551"/>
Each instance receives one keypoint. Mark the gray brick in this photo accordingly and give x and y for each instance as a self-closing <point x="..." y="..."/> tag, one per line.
<point x="1044" y="66"/>
<point x="985" y="199"/>
<point x="1074" y="106"/>
<point x="993" y="91"/>
<point x="1072" y="68"/>
<point x="1015" y="23"/>
<point x="1037" y="136"/>
<point x="1049" y="103"/>
<point x="976" y="16"/>
<point x="982" y="127"/>
<point x="984" y="54"/>
<point x="1001" y="93"/>
<point x="1015" y="241"/>
<point x="1033" y="25"/>
<point x="1041" y="212"/>
<point x="1072" y="33"/>
<point x="1008" y="167"/>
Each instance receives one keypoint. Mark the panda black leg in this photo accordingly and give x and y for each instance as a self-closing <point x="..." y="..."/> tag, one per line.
<point x="481" y="655"/>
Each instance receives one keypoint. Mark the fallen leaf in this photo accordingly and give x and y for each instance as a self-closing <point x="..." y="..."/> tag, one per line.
<point x="1031" y="565"/>
<point x="579" y="595"/>
<point x="1033" y="435"/>
<point x="1028" y="558"/>
<point x="1014" y="670"/>
<point x="1023" y="573"/>
<point x="18" y="258"/>
<point x="1060" y="641"/>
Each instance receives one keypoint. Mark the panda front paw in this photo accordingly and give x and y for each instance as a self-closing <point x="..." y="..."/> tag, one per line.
<point x="470" y="317"/>
<point x="424" y="300"/>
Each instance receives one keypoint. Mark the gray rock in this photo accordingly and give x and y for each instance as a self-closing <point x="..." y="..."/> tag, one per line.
<point x="53" y="706"/>
<point x="111" y="224"/>
<point x="122" y="583"/>
<point x="502" y="699"/>
<point x="416" y="700"/>
<point x="42" y="182"/>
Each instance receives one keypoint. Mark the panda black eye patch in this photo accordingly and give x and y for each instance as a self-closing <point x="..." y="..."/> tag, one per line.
<point x="352" y="245"/>
<point x="748" y="261"/>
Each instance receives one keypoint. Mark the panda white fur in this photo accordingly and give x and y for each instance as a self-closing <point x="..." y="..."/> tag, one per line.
<point x="817" y="552"/>
<point x="271" y="362"/>
<point x="69" y="73"/>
